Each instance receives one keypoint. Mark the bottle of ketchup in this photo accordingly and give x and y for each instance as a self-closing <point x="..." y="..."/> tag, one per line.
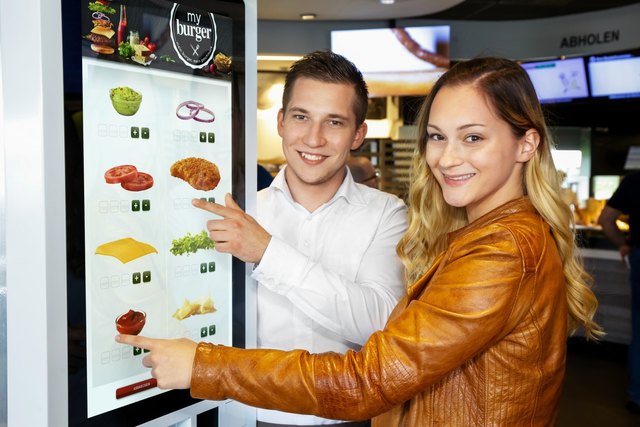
<point x="122" y="26"/>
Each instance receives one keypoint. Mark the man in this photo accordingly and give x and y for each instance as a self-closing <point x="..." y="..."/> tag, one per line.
<point x="325" y="260"/>
<point x="363" y="171"/>
<point x="626" y="200"/>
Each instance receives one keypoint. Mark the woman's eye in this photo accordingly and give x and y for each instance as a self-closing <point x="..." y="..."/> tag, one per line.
<point x="436" y="137"/>
<point x="473" y="138"/>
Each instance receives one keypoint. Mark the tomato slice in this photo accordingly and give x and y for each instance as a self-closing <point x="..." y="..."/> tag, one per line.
<point x="120" y="174"/>
<point x="142" y="182"/>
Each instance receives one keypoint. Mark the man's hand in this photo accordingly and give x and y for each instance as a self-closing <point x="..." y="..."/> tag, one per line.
<point x="236" y="233"/>
<point x="170" y="361"/>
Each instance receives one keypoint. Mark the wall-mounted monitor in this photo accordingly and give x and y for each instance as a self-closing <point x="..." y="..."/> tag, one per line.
<point x="559" y="80"/>
<point x="396" y="61"/>
<point x="615" y="76"/>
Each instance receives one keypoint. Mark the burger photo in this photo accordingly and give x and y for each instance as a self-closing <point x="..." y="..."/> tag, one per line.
<point x="101" y="36"/>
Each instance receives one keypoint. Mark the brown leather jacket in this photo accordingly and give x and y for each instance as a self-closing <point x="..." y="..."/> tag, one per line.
<point x="479" y="340"/>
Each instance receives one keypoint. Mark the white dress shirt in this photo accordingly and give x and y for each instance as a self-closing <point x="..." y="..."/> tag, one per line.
<point x="330" y="278"/>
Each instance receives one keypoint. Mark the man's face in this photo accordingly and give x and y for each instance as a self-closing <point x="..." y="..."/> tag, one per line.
<point x="318" y="130"/>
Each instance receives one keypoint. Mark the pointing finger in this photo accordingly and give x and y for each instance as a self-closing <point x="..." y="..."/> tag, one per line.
<point x="136" y="341"/>
<point x="214" y="208"/>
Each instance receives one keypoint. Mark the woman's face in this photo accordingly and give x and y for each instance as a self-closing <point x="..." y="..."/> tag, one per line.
<point x="474" y="154"/>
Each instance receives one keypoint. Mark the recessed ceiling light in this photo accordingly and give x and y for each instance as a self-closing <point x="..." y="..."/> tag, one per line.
<point x="387" y="1"/>
<point x="307" y="16"/>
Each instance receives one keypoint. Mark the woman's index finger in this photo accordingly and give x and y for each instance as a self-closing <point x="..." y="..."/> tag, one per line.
<point x="136" y="341"/>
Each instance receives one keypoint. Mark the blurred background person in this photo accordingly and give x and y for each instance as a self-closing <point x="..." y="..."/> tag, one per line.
<point x="626" y="200"/>
<point x="363" y="171"/>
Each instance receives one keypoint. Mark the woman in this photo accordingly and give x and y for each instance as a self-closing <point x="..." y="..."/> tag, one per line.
<point x="496" y="284"/>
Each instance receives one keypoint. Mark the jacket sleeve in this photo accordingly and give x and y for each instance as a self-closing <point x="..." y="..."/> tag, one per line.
<point x="463" y="310"/>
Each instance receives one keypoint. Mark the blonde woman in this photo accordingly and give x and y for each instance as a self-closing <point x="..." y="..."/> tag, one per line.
<point x="495" y="284"/>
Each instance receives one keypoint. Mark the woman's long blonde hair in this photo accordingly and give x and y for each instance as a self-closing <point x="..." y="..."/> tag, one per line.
<point x="508" y="89"/>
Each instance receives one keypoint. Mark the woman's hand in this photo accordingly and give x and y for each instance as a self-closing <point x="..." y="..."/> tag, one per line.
<point x="170" y="361"/>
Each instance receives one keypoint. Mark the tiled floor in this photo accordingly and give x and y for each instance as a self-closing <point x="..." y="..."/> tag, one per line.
<point x="594" y="389"/>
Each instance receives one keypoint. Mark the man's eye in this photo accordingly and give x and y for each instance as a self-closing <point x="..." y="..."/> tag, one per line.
<point x="335" y="122"/>
<point x="299" y="116"/>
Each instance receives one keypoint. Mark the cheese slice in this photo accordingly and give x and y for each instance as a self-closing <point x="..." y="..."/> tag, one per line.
<point x="141" y="50"/>
<point x="103" y="31"/>
<point x="125" y="250"/>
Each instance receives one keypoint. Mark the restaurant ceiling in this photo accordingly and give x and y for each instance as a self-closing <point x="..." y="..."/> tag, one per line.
<point x="481" y="10"/>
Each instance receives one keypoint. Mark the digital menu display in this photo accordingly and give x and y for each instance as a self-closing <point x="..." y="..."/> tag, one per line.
<point x="615" y="76"/>
<point x="558" y="80"/>
<point x="157" y="133"/>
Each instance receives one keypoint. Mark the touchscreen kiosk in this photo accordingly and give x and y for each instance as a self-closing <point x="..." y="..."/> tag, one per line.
<point x="154" y="109"/>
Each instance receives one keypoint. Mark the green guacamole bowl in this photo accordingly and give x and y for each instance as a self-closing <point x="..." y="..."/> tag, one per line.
<point x="125" y="100"/>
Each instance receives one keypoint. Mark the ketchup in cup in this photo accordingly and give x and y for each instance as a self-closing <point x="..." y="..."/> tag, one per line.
<point x="131" y="322"/>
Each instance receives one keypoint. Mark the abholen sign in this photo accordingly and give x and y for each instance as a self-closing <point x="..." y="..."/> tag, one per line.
<point x="591" y="39"/>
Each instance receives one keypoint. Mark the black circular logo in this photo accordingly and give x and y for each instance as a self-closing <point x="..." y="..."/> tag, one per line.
<point x="193" y="33"/>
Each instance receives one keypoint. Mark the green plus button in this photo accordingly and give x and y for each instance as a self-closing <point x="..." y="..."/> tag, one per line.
<point x="203" y="267"/>
<point x="135" y="205"/>
<point x="203" y="137"/>
<point x="136" y="278"/>
<point x="135" y="132"/>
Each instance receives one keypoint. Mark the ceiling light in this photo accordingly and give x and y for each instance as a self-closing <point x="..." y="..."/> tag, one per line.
<point x="387" y="1"/>
<point x="307" y="16"/>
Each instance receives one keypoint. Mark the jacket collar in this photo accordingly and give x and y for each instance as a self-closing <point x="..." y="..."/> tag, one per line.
<point x="521" y="204"/>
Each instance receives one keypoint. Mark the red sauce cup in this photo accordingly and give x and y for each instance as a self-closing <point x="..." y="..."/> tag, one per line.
<point x="131" y="322"/>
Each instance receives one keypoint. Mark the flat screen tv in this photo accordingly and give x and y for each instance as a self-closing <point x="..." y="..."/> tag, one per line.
<point x="615" y="76"/>
<point x="396" y="61"/>
<point x="559" y="80"/>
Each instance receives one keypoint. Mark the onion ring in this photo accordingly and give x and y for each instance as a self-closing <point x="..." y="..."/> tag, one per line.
<point x="206" y="110"/>
<point x="100" y="16"/>
<point x="192" y="106"/>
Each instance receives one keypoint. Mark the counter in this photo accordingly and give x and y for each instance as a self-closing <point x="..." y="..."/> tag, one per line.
<point x="610" y="284"/>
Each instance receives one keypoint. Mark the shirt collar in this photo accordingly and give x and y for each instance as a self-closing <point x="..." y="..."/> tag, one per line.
<point x="351" y="192"/>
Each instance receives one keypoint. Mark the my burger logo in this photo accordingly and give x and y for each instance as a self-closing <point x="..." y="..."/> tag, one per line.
<point x="194" y="36"/>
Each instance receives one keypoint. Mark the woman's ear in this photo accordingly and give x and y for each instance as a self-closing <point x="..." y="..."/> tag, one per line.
<point x="528" y="145"/>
